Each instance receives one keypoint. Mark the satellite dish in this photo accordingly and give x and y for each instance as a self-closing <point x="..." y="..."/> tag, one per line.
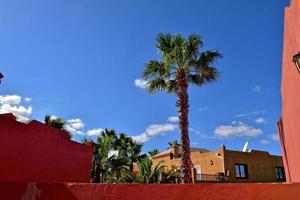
<point x="245" y="146"/>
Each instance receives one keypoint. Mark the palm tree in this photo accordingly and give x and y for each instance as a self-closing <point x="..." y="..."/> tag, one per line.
<point x="149" y="174"/>
<point x="171" y="176"/>
<point x="174" y="143"/>
<point x="102" y="159"/>
<point x="57" y="123"/>
<point x="129" y="149"/>
<point x="112" y="154"/>
<point x="153" y="152"/>
<point x="182" y="64"/>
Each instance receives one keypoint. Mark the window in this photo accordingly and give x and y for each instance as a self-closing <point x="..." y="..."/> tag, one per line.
<point x="241" y="171"/>
<point x="279" y="173"/>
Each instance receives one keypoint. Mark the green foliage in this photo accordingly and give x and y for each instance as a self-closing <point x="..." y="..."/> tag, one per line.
<point x="112" y="154"/>
<point x="149" y="174"/>
<point x="172" y="176"/>
<point x="57" y="123"/>
<point x="180" y="52"/>
<point x="182" y="64"/>
<point x="174" y="143"/>
<point x="153" y="152"/>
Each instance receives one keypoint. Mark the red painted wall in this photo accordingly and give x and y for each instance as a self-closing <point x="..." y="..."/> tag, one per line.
<point x="289" y="127"/>
<point x="66" y="191"/>
<point x="37" y="152"/>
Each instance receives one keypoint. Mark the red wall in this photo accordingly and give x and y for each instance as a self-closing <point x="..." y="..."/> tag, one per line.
<point x="65" y="191"/>
<point x="37" y="152"/>
<point x="289" y="127"/>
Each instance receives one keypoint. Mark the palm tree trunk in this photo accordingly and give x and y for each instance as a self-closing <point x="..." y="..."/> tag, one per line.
<point x="131" y="167"/>
<point x="183" y="110"/>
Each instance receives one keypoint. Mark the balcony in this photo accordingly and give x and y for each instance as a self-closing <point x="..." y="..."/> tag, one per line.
<point x="200" y="178"/>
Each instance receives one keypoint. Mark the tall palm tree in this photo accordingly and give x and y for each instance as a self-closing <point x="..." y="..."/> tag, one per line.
<point x="57" y="123"/>
<point x="182" y="64"/>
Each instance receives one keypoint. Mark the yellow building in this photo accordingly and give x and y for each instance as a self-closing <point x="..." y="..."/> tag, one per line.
<point x="227" y="165"/>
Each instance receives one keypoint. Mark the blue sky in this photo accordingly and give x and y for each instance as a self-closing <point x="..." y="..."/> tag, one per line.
<point x="80" y="60"/>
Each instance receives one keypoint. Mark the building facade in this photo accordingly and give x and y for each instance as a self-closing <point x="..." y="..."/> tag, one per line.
<point x="227" y="165"/>
<point x="289" y="124"/>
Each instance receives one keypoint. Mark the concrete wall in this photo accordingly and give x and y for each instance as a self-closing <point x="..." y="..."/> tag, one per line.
<point x="260" y="164"/>
<point x="37" y="152"/>
<point x="65" y="191"/>
<point x="289" y="127"/>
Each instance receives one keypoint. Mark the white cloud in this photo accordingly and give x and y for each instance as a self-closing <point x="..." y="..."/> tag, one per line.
<point x="260" y="120"/>
<point x="140" y="83"/>
<point x="10" y="99"/>
<point x="202" y="108"/>
<point x="250" y="114"/>
<point x="265" y="142"/>
<point x="154" y="130"/>
<point x="13" y="104"/>
<point x="256" y="89"/>
<point x="240" y="130"/>
<point x="75" y="126"/>
<point x="274" y="136"/>
<point x="173" y="119"/>
<point x="27" y="99"/>
<point x="94" y="132"/>
<point x="236" y="122"/>
<point x="76" y="123"/>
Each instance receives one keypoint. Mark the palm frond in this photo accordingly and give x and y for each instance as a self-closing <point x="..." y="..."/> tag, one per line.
<point x="164" y="43"/>
<point x="207" y="74"/>
<point x="208" y="58"/>
<point x="155" y="85"/>
<point x="155" y="69"/>
<point x="171" y="86"/>
<point x="194" y="42"/>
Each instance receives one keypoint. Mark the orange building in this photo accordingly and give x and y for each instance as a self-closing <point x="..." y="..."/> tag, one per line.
<point x="227" y="165"/>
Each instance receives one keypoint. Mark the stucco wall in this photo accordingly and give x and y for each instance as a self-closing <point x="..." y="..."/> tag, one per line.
<point x="198" y="158"/>
<point x="290" y="91"/>
<point x="261" y="165"/>
<point x="37" y="152"/>
<point x="65" y="191"/>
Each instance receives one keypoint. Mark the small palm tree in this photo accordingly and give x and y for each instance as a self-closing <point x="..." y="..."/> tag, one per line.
<point x="182" y="64"/>
<point x="102" y="161"/>
<point x="57" y="123"/>
<point x="153" y="152"/>
<point x="171" y="176"/>
<point x="148" y="173"/>
<point x="174" y="143"/>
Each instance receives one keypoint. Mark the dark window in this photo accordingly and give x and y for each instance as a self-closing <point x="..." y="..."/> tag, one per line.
<point x="279" y="173"/>
<point x="241" y="171"/>
<point x="171" y="156"/>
